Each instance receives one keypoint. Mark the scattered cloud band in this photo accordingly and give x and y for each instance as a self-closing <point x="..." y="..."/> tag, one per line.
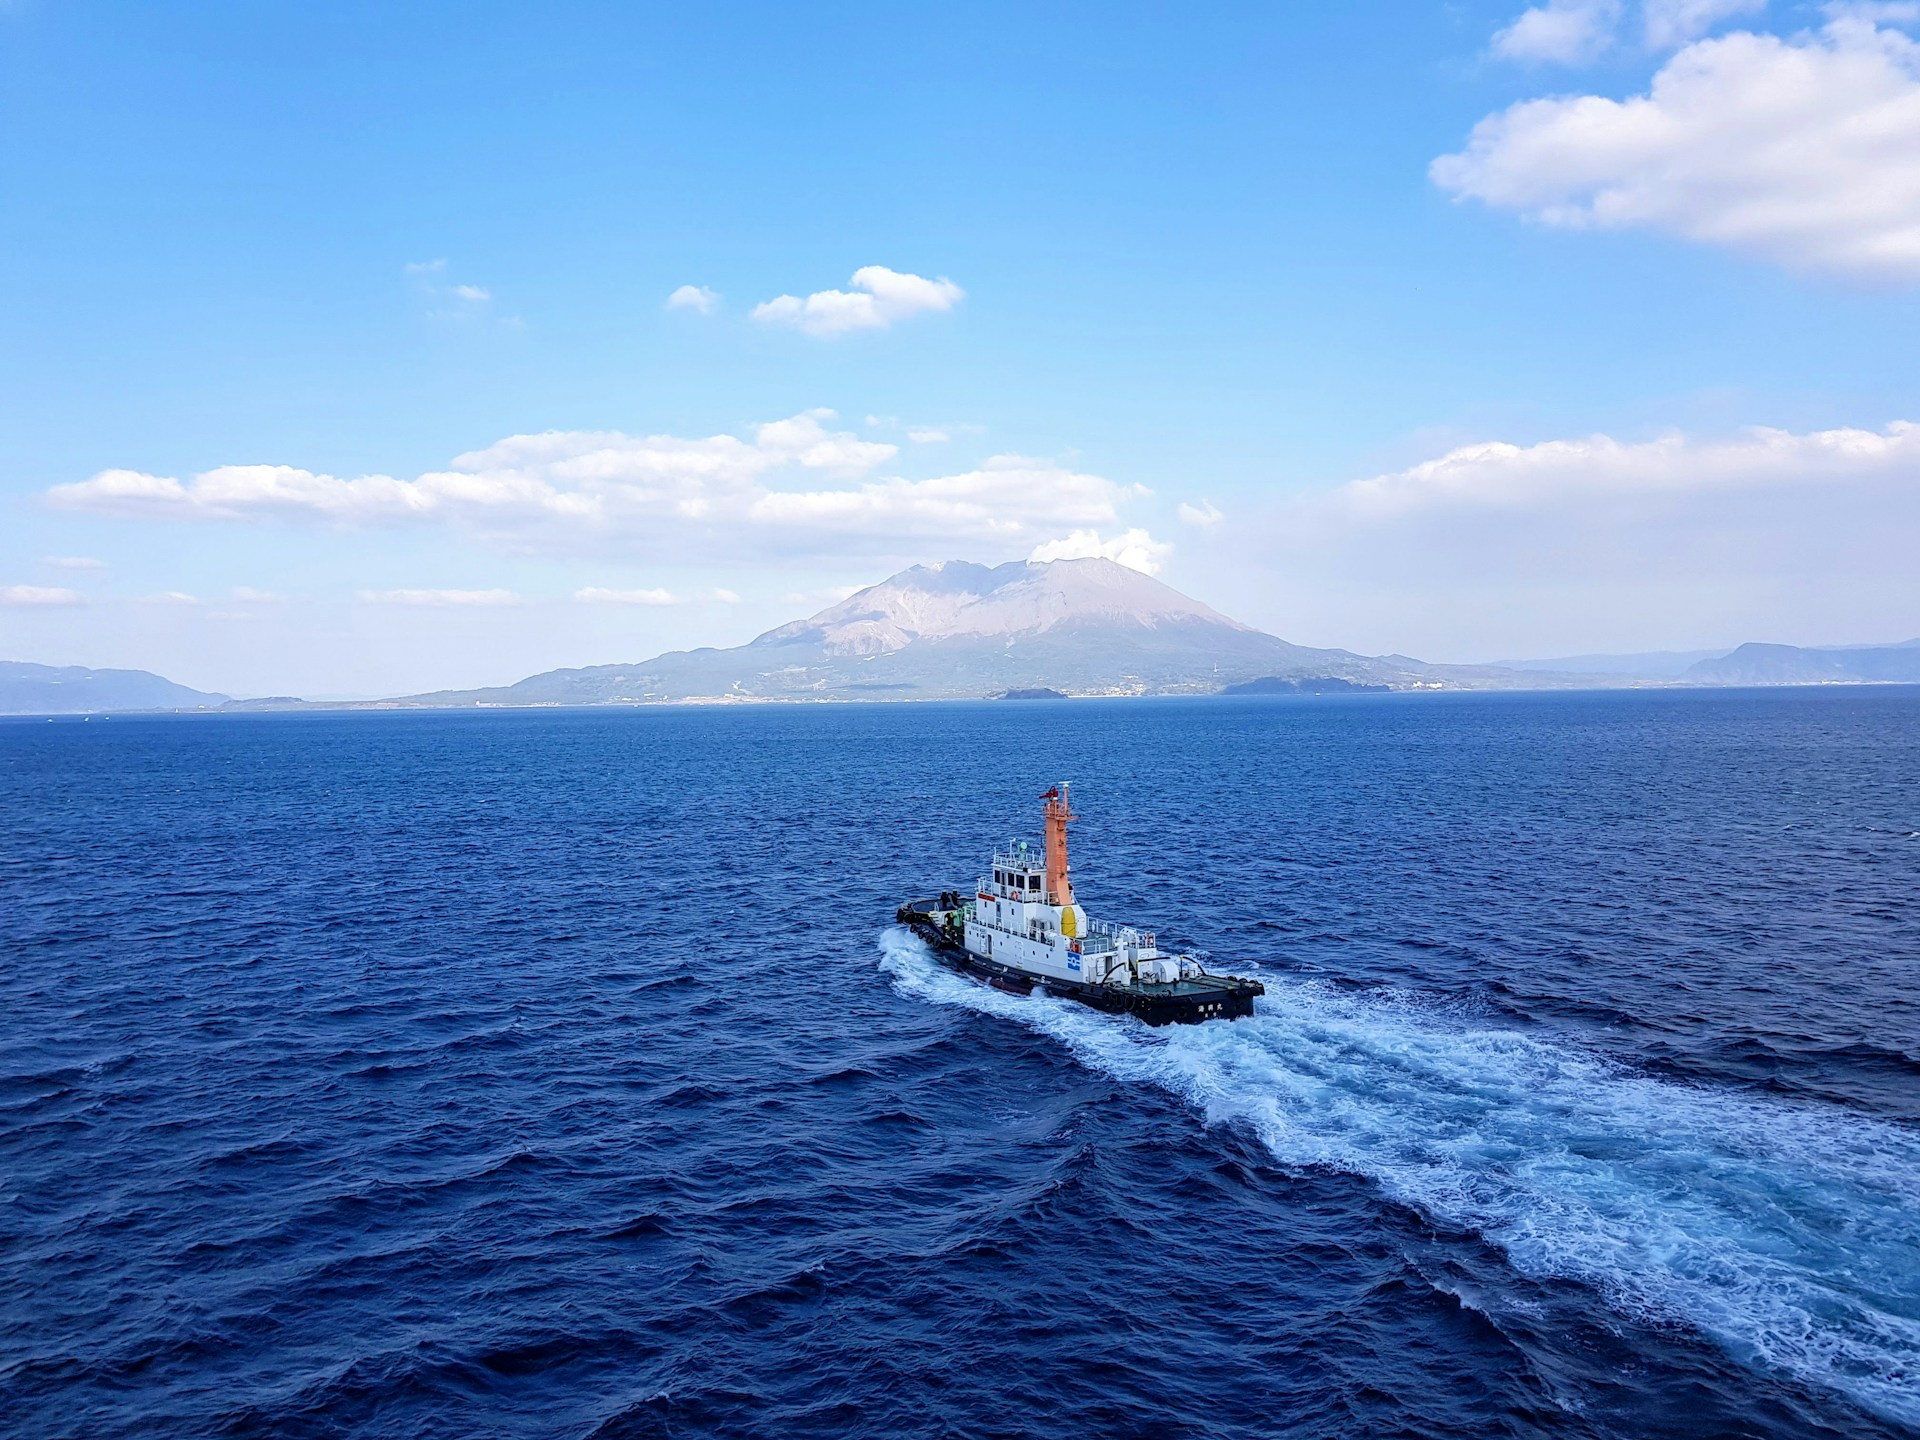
<point x="1597" y="543"/>
<point x="440" y="599"/>
<point x="790" y="486"/>
<point x="594" y="595"/>
<point x="39" y="595"/>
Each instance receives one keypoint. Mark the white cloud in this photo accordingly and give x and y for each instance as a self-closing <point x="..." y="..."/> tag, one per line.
<point x="1205" y="514"/>
<point x="170" y="597"/>
<point x="439" y="598"/>
<point x="928" y="434"/>
<point x="694" y="297"/>
<point x="879" y="298"/>
<point x="1006" y="498"/>
<point x="38" y="595"/>
<point x="445" y="298"/>
<point x="1597" y="543"/>
<point x="1802" y="151"/>
<point x="233" y="490"/>
<point x="247" y="595"/>
<point x="793" y="485"/>
<point x="73" y="562"/>
<point x="1575" y="32"/>
<point x="1675" y="22"/>
<point x="803" y="440"/>
<point x="1498" y="475"/>
<point x="726" y="597"/>
<point x="594" y="595"/>
<point x="1135" y="549"/>
<point x="1561" y="32"/>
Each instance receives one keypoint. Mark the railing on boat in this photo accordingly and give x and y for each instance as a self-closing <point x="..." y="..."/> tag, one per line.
<point x="1019" y="857"/>
<point x="1101" y="937"/>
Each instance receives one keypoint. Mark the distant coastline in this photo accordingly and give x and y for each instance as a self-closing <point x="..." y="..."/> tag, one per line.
<point x="244" y="708"/>
<point x="1024" y="631"/>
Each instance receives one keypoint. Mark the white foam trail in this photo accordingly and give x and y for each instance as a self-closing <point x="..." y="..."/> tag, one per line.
<point x="1789" y="1233"/>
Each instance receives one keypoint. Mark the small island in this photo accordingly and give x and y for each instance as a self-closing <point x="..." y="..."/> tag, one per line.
<point x="1040" y="692"/>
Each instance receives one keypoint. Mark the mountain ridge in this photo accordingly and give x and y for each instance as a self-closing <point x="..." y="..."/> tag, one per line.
<point x="1759" y="663"/>
<point x="959" y="630"/>
<point x="956" y="630"/>
<point x="30" y="689"/>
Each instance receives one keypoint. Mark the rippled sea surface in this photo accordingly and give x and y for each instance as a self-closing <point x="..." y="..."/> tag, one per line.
<point x="561" y="1074"/>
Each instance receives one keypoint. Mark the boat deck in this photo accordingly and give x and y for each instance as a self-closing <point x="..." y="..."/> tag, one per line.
<point x="1211" y="985"/>
<point x="924" y="910"/>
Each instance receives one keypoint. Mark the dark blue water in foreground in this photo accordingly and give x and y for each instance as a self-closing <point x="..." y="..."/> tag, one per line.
<point x="559" y="1074"/>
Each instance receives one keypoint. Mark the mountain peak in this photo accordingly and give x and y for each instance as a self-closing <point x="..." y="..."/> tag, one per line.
<point x="955" y="598"/>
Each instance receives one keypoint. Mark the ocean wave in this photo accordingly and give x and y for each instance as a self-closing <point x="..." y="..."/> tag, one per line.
<point x="1788" y="1233"/>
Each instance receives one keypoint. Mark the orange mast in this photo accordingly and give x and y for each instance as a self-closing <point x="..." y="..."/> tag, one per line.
<point x="1059" y="887"/>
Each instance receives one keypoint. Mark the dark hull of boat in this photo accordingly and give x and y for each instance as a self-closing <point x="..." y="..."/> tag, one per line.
<point x="1186" y="1002"/>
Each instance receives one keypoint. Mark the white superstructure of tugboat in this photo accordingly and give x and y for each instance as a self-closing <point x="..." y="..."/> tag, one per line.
<point x="1020" y="927"/>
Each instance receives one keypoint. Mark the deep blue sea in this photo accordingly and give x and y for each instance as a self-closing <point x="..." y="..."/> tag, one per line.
<point x="561" y="1074"/>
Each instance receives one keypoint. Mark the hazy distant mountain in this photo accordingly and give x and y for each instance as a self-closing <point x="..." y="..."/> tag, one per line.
<point x="1087" y="627"/>
<point x="962" y="631"/>
<point x="1756" y="664"/>
<point x="75" y="690"/>
<point x="1647" y="665"/>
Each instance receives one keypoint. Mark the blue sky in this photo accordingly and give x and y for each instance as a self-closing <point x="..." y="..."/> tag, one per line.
<point x="1627" y="372"/>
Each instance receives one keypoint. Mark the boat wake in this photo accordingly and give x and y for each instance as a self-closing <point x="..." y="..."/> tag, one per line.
<point x="1789" y="1233"/>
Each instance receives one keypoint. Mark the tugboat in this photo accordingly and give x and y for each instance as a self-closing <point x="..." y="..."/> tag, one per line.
<point x="1020" y="928"/>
